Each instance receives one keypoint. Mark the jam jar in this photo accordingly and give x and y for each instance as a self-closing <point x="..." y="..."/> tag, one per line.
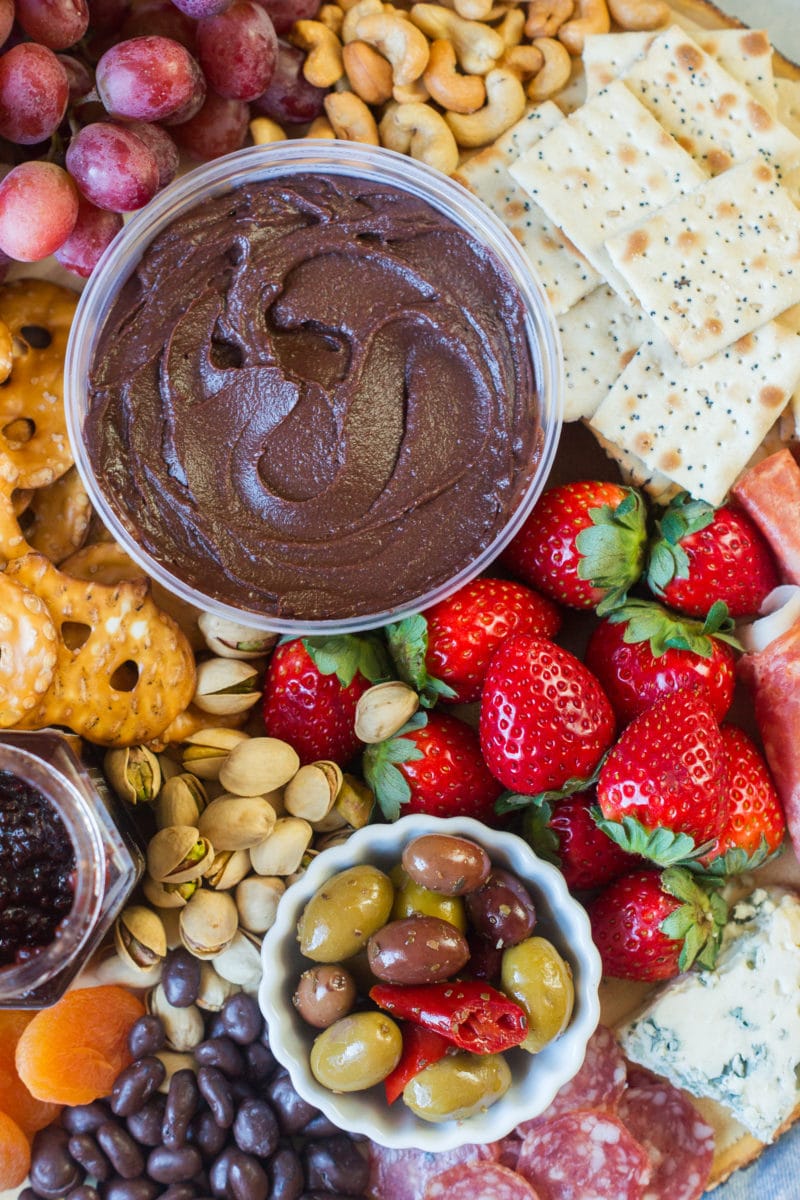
<point x="69" y="859"/>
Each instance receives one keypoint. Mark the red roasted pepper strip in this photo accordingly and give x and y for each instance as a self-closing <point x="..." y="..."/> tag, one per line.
<point x="421" y="1047"/>
<point x="470" y="1014"/>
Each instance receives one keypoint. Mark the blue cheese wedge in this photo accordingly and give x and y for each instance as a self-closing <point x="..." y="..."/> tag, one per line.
<point x="733" y="1034"/>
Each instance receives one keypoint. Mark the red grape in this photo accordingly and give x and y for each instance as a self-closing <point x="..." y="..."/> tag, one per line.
<point x="237" y="50"/>
<point x="284" y="13"/>
<point x="79" y="77"/>
<point x="34" y="90"/>
<point x="112" y="167"/>
<point x="106" y="16"/>
<point x="161" y="18"/>
<point x="219" y="128"/>
<point x="38" y="209"/>
<point x="149" y="79"/>
<point x="94" y="230"/>
<point x="162" y="147"/>
<point x="290" y="98"/>
<point x="201" y="8"/>
<point x="55" y="23"/>
<point x="6" y="19"/>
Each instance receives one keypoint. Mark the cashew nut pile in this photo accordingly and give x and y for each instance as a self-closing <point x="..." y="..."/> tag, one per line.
<point x="436" y="79"/>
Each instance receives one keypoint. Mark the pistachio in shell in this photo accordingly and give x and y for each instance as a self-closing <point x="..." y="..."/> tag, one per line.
<point x="237" y="822"/>
<point x="225" y="686"/>
<point x="312" y="792"/>
<point x="205" y="751"/>
<point x="184" y="1027"/>
<point x="180" y="801"/>
<point x="214" y="990"/>
<point x="259" y="766"/>
<point x="178" y="854"/>
<point x="208" y="923"/>
<point x="229" y="639"/>
<point x="228" y="868"/>
<point x="134" y="773"/>
<point x="168" y="895"/>
<point x="240" y="962"/>
<point x="355" y="802"/>
<point x="384" y="709"/>
<point x="281" y="853"/>
<point x="257" y="899"/>
<point x="140" y="938"/>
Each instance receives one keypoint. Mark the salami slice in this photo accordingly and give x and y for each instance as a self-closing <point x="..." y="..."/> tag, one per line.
<point x="480" y="1181"/>
<point x="584" y="1156"/>
<point x="404" y="1174"/>
<point x="507" y="1150"/>
<point x="679" y="1143"/>
<point x="599" y="1083"/>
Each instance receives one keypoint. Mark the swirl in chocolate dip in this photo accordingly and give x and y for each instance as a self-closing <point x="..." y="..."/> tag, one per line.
<point x="314" y="398"/>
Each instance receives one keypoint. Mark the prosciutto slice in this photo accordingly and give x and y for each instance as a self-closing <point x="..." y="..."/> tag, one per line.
<point x="770" y="493"/>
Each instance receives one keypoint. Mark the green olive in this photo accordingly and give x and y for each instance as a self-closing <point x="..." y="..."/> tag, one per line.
<point x="356" y="1052"/>
<point x="411" y="899"/>
<point x="458" y="1086"/>
<point x="535" y="975"/>
<point x="342" y="916"/>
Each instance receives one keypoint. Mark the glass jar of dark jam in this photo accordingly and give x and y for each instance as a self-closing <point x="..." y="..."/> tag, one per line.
<point x="69" y="859"/>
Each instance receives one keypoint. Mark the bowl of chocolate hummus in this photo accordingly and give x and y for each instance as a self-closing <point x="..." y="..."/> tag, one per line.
<point x="313" y="387"/>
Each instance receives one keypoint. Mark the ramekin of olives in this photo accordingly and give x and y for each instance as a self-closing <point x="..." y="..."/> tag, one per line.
<point x="430" y="983"/>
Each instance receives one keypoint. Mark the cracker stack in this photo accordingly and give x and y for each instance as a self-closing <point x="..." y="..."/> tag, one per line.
<point x="663" y="217"/>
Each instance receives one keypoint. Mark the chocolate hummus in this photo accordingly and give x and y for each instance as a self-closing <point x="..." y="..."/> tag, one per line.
<point x="314" y="398"/>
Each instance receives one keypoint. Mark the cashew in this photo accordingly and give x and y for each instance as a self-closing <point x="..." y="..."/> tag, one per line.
<point x="332" y="16"/>
<point x="473" y="10"/>
<point x="369" y="73"/>
<point x="592" y="18"/>
<point x="362" y="8"/>
<point x="524" y="61"/>
<point x="639" y="14"/>
<point x="350" y="118"/>
<point x="456" y="93"/>
<point x="545" y="17"/>
<point x="555" y="73"/>
<point x="264" y="130"/>
<point x="411" y="93"/>
<point x="399" y="41"/>
<point x="418" y="130"/>
<point x="320" y="127"/>
<point x="323" y="65"/>
<point x="477" y="46"/>
<point x="505" y="104"/>
<point x="511" y="27"/>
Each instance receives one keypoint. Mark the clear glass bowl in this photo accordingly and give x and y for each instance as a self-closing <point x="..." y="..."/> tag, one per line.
<point x="535" y="1077"/>
<point x="274" y="161"/>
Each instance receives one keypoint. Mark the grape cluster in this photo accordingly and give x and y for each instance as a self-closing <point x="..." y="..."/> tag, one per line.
<point x="94" y="133"/>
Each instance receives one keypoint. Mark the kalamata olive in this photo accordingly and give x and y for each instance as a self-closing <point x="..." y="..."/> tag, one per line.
<point x="333" y="1164"/>
<point x="501" y="909"/>
<point x="356" y="1052"/>
<point x="450" y="865"/>
<point x="324" y="994"/>
<point x="538" y="978"/>
<point x="410" y="900"/>
<point x="417" y="950"/>
<point x="485" y="957"/>
<point x="340" y="918"/>
<point x="458" y="1086"/>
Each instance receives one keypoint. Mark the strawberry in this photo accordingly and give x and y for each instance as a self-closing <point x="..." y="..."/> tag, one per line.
<point x="583" y="545"/>
<point x="445" y="651"/>
<point x="640" y="652"/>
<point x="702" y="555"/>
<point x="662" y="789"/>
<point x="755" y="826"/>
<point x="433" y="766"/>
<point x="650" y="925"/>
<point x="545" y="720"/>
<point x="567" y="835"/>
<point x="311" y="690"/>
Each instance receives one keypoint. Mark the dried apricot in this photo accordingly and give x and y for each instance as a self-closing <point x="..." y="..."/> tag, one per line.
<point x="17" y="1102"/>
<point x="72" y="1053"/>
<point x="15" y="1153"/>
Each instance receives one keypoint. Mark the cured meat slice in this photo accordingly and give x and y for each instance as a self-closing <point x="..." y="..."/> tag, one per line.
<point x="599" y="1083"/>
<point x="480" y="1181"/>
<point x="507" y="1150"/>
<point x="770" y="493"/>
<point x="584" y="1156"/>
<point x="404" y="1174"/>
<point x="678" y="1142"/>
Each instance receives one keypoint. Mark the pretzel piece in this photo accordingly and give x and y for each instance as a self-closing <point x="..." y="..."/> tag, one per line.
<point x="124" y="668"/>
<point x="33" y="432"/>
<point x="28" y="651"/>
<point x="57" y="518"/>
